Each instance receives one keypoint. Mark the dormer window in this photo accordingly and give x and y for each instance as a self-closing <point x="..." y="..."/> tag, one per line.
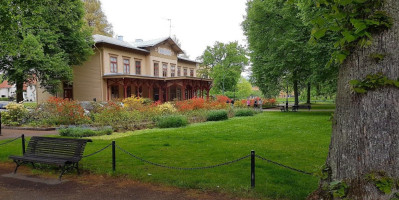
<point x="179" y="71"/>
<point x="192" y="72"/>
<point x="113" y="64"/>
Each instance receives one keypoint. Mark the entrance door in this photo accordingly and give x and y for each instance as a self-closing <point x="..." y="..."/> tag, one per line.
<point x="68" y="92"/>
<point x="156" y="94"/>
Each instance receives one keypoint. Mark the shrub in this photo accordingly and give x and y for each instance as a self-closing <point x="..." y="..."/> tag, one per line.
<point x="16" y="114"/>
<point x="244" y="112"/>
<point x="217" y="115"/>
<point x="172" y="121"/>
<point x="166" y="108"/>
<point x="83" y="132"/>
<point x="58" y="111"/>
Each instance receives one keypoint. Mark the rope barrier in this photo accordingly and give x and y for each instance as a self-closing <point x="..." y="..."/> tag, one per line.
<point x="10" y="141"/>
<point x="285" y="166"/>
<point x="92" y="154"/>
<point x="181" y="168"/>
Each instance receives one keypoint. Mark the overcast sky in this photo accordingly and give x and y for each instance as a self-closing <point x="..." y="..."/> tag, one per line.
<point x="196" y="24"/>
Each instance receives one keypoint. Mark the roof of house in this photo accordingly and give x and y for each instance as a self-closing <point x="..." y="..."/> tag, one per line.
<point x="114" y="41"/>
<point x="4" y="84"/>
<point x="186" y="59"/>
<point x="151" y="43"/>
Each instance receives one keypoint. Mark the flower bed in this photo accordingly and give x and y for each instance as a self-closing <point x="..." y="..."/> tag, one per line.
<point x="129" y="114"/>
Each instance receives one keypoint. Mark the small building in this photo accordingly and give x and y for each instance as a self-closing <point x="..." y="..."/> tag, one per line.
<point x="9" y="91"/>
<point x="150" y="69"/>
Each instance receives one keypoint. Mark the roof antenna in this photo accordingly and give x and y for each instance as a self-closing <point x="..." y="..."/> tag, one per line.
<point x="170" y="27"/>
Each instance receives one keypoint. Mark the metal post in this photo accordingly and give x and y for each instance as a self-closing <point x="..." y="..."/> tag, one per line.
<point x="113" y="156"/>
<point x="253" y="169"/>
<point x="23" y="144"/>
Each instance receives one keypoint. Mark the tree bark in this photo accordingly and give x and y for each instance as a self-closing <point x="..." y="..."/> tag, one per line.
<point x="19" y="91"/>
<point x="296" y="92"/>
<point x="365" y="136"/>
<point x="308" y="94"/>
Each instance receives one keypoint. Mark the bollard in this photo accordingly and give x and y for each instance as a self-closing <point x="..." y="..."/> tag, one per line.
<point x="113" y="156"/>
<point x="23" y="144"/>
<point x="253" y="169"/>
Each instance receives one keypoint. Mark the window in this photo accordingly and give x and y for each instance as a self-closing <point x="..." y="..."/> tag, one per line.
<point x="185" y="71"/>
<point x="114" y="64"/>
<point x="178" y="71"/>
<point x="156" y="69"/>
<point x="172" y="70"/>
<point x="138" y="67"/>
<point x="191" y="72"/>
<point x="164" y="69"/>
<point x="126" y="66"/>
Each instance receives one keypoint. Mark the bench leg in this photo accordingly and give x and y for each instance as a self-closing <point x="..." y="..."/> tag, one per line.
<point x="18" y="164"/>
<point x="77" y="168"/>
<point x="62" y="172"/>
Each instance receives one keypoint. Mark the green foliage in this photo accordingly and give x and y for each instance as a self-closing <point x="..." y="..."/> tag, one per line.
<point x="338" y="189"/>
<point x="324" y="172"/>
<point x="382" y="181"/>
<point x="353" y="21"/>
<point x="41" y="40"/>
<point x="217" y="115"/>
<point x="244" y="112"/>
<point x="224" y="64"/>
<point x="278" y="35"/>
<point x="96" y="19"/>
<point x="377" y="57"/>
<point x="15" y="115"/>
<point x="372" y="82"/>
<point x="172" y="121"/>
<point x="84" y="132"/>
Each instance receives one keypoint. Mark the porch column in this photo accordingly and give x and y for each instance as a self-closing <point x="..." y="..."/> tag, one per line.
<point x="207" y="94"/>
<point x="183" y="92"/>
<point x="167" y="93"/>
<point x="160" y="93"/>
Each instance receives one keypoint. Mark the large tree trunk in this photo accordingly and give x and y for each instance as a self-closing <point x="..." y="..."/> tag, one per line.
<point x="365" y="136"/>
<point x="296" y="92"/>
<point x="308" y="94"/>
<point x="20" y="91"/>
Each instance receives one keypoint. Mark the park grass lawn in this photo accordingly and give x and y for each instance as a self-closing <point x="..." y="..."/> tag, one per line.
<point x="322" y="106"/>
<point x="296" y="139"/>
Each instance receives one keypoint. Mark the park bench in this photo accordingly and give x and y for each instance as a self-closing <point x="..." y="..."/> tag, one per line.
<point x="296" y="107"/>
<point x="63" y="152"/>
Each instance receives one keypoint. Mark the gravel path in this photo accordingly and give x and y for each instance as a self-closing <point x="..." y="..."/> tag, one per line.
<point x="13" y="133"/>
<point x="89" y="186"/>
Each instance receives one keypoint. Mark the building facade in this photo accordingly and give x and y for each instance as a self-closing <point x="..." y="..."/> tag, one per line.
<point x="150" y="69"/>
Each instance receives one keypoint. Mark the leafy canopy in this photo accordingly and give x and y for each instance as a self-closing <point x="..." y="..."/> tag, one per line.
<point x="224" y="64"/>
<point x="40" y="40"/>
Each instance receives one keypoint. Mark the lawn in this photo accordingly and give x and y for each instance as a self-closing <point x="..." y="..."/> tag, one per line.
<point x="298" y="140"/>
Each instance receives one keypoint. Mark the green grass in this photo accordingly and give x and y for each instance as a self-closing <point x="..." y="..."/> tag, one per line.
<point x="31" y="105"/>
<point x="322" y="106"/>
<point x="297" y="139"/>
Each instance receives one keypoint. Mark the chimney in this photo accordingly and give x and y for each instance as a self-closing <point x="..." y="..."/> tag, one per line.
<point x="120" y="37"/>
<point x="139" y="40"/>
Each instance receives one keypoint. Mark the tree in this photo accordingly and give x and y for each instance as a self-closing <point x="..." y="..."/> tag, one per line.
<point x="40" y="40"/>
<point x="280" y="52"/>
<point x="363" y="158"/>
<point x="96" y="18"/>
<point x="224" y="64"/>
